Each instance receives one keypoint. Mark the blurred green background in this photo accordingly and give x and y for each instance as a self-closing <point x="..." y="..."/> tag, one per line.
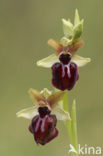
<point x="25" y="27"/>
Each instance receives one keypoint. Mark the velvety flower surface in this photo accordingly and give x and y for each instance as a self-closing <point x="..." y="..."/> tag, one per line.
<point x="64" y="73"/>
<point x="43" y="126"/>
<point x="44" y="115"/>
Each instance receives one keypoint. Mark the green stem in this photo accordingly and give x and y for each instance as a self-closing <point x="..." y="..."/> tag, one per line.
<point x="65" y="101"/>
<point x="74" y="128"/>
<point x="71" y="125"/>
<point x="66" y="108"/>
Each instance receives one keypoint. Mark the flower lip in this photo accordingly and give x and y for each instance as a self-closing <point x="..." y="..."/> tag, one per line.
<point x="65" y="57"/>
<point x="43" y="111"/>
<point x="44" y="128"/>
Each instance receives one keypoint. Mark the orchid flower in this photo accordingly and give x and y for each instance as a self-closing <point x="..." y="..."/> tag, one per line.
<point x="45" y="98"/>
<point x="70" y="43"/>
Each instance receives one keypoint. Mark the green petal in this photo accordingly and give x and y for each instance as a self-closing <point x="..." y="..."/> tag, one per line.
<point x="48" y="61"/>
<point x="61" y="114"/>
<point x="28" y="113"/>
<point x="80" y="61"/>
<point x="55" y="98"/>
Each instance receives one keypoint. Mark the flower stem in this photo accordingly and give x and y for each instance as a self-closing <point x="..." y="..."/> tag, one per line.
<point x="74" y="128"/>
<point x="71" y="125"/>
<point x="66" y="108"/>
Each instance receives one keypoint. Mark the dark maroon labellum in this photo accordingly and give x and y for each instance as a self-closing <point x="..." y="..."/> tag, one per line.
<point x="43" y="126"/>
<point x="64" y="73"/>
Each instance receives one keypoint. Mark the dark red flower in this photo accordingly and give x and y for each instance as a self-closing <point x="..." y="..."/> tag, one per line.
<point x="64" y="73"/>
<point x="43" y="126"/>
